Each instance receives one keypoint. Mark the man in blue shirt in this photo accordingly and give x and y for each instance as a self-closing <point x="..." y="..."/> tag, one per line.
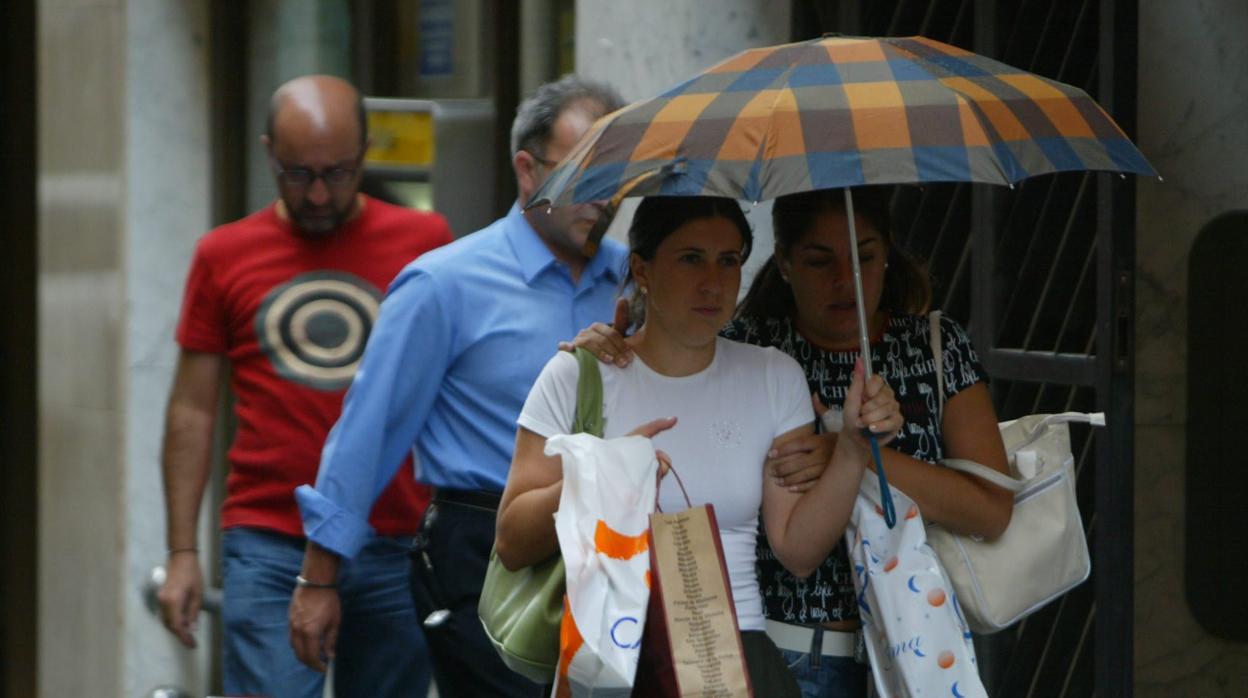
<point x="461" y="337"/>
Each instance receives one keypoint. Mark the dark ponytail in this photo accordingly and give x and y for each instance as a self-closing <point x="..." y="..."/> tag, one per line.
<point x="769" y="296"/>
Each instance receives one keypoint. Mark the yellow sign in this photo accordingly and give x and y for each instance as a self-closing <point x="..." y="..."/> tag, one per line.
<point x="401" y="138"/>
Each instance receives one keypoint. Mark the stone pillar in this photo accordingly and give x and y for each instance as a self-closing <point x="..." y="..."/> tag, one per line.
<point x="124" y="193"/>
<point x="1193" y="92"/>
<point x="81" y="184"/>
<point x="168" y="206"/>
<point x="645" y="47"/>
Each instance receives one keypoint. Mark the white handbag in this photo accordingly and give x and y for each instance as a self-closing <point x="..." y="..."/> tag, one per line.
<point x="1043" y="553"/>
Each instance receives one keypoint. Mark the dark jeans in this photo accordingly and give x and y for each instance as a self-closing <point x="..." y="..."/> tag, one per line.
<point x="829" y="677"/>
<point x="769" y="674"/>
<point x="381" y="651"/>
<point x="449" y="559"/>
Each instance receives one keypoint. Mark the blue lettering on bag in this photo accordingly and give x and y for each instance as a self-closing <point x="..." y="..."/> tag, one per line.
<point x="616" y="625"/>
<point x="911" y="645"/>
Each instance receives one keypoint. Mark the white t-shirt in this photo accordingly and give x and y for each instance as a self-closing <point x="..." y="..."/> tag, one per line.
<point x="728" y="415"/>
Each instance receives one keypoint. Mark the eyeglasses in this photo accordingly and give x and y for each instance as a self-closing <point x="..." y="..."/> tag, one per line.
<point x="302" y="177"/>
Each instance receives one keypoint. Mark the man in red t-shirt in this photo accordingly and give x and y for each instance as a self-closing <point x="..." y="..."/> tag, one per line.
<point x="286" y="298"/>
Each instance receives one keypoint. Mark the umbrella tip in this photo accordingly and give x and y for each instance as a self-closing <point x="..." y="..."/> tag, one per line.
<point x="1160" y="178"/>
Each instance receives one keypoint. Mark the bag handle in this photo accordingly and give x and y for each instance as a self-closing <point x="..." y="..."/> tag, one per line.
<point x="658" y="483"/>
<point x="588" y="417"/>
<point x="983" y="472"/>
<point x="1096" y="419"/>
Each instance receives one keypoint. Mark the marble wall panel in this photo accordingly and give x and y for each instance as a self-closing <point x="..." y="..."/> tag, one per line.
<point x="642" y="48"/>
<point x="80" y="311"/>
<point x="1193" y="93"/>
<point x="647" y="46"/>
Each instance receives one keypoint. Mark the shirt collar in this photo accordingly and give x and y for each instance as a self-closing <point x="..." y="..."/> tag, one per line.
<point x="606" y="263"/>
<point x="532" y="254"/>
<point x="535" y="257"/>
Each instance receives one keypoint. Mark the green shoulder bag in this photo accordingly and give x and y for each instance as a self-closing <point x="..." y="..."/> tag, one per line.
<point x="522" y="610"/>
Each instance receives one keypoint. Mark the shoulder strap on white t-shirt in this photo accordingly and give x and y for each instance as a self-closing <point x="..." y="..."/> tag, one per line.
<point x="934" y="318"/>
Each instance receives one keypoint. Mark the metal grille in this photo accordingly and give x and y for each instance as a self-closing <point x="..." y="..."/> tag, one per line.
<point x="1031" y="273"/>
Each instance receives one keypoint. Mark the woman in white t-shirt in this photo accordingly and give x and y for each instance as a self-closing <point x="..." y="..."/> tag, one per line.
<point x="724" y="406"/>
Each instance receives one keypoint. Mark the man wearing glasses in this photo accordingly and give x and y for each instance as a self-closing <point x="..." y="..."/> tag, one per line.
<point x="286" y="298"/>
<point x="464" y="331"/>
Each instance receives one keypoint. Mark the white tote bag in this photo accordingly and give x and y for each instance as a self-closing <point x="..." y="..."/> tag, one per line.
<point x="1043" y="552"/>
<point x="602" y="524"/>
<point x="916" y="637"/>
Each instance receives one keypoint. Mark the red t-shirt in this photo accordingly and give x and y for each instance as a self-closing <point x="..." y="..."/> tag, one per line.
<point x="292" y="315"/>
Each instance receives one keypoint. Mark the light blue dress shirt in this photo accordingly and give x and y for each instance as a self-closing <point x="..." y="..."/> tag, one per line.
<point x="461" y="337"/>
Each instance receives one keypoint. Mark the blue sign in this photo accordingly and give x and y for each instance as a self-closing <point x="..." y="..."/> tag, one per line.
<point x="437" y="38"/>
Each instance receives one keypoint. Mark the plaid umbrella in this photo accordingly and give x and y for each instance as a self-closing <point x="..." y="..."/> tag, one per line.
<point x="839" y="112"/>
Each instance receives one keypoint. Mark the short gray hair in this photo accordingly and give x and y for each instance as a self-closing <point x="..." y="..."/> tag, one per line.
<point x="536" y="116"/>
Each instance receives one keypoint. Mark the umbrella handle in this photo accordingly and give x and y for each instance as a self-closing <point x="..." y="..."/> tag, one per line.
<point x="886" y="493"/>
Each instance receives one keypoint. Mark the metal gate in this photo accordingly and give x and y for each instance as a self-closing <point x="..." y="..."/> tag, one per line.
<point x="1042" y="277"/>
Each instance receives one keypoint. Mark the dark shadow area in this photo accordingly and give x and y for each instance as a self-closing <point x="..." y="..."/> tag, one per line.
<point x="19" y="472"/>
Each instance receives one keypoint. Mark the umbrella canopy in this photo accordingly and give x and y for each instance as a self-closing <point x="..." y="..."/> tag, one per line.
<point x="840" y="112"/>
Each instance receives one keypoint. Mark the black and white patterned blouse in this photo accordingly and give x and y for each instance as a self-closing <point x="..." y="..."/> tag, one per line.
<point x="903" y="356"/>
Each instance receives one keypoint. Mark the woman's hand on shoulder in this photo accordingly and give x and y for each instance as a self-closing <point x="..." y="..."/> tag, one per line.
<point x="606" y="341"/>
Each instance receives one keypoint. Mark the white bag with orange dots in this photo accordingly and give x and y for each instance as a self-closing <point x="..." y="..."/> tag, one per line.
<point x="602" y="524"/>
<point x="916" y="636"/>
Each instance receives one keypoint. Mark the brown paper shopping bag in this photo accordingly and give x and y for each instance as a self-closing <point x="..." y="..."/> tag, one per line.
<point x="691" y="645"/>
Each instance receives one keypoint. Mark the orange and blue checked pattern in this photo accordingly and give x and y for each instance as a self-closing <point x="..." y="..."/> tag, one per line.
<point x="843" y="111"/>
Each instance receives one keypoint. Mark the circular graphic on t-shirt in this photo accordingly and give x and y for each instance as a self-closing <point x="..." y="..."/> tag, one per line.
<point x="314" y="327"/>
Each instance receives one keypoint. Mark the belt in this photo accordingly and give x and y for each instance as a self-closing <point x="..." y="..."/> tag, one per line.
<point x="477" y="499"/>
<point x="799" y="638"/>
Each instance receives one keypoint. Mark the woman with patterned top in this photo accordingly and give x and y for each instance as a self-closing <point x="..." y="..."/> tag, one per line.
<point x="802" y="302"/>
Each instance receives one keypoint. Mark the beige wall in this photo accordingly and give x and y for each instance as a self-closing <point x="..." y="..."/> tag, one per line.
<point x="81" y="78"/>
<point x="1193" y="97"/>
<point x="123" y="193"/>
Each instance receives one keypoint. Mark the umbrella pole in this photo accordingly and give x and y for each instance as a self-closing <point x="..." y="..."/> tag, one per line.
<point x="864" y="343"/>
<point x="864" y="340"/>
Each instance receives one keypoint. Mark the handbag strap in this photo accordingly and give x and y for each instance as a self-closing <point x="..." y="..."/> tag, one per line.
<point x="938" y="353"/>
<point x="588" y="417"/>
<point x="983" y="472"/>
